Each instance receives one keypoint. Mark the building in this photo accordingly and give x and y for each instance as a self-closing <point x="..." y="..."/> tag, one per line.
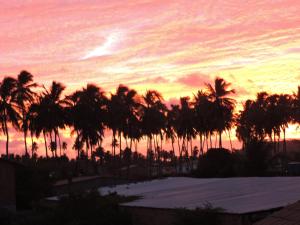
<point x="243" y="200"/>
<point x="7" y="185"/>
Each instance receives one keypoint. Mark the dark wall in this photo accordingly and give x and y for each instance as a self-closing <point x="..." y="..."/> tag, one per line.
<point x="7" y="185"/>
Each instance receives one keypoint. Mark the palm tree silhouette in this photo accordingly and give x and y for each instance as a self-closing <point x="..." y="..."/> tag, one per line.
<point x="89" y="116"/>
<point x="24" y="96"/>
<point x="203" y="109"/>
<point x="8" y="107"/>
<point x="185" y="124"/>
<point x="153" y="119"/>
<point x="224" y="105"/>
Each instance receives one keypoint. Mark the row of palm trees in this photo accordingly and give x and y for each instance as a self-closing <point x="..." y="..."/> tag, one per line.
<point x="268" y="116"/>
<point x="38" y="111"/>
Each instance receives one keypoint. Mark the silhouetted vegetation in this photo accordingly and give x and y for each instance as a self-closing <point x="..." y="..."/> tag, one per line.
<point x="217" y="163"/>
<point x="92" y="115"/>
<point x="79" y="209"/>
<point x="206" y="215"/>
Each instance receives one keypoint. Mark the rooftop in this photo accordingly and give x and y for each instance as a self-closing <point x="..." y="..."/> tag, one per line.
<point x="234" y="195"/>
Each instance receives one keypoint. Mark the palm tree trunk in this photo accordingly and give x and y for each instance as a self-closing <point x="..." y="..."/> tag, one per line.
<point x="178" y="143"/>
<point x="91" y="148"/>
<point x="87" y="149"/>
<point x="7" y="135"/>
<point x="173" y="148"/>
<point x="220" y="139"/>
<point x="31" y="137"/>
<point x="25" y="132"/>
<point x="200" y="144"/>
<point x="230" y="140"/>
<point x="59" y="142"/>
<point x="206" y="142"/>
<point x="274" y="143"/>
<point x="191" y="145"/>
<point x="216" y="140"/>
<point x="161" y="141"/>
<point x="284" y="142"/>
<point x="114" y="143"/>
<point x="120" y="144"/>
<point x="135" y="147"/>
<point x="55" y="140"/>
<point x="155" y="147"/>
<point x="45" y="141"/>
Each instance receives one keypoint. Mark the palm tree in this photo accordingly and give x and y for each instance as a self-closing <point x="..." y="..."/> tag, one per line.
<point x="88" y="115"/>
<point x="203" y="109"/>
<point x="123" y="116"/>
<point x="24" y="96"/>
<point x="8" y="107"/>
<point x="285" y="105"/>
<point x="224" y="105"/>
<point x="170" y="129"/>
<point x="47" y="115"/>
<point x="252" y="121"/>
<point x="185" y="124"/>
<point x="153" y="118"/>
<point x="36" y="121"/>
<point x="54" y="105"/>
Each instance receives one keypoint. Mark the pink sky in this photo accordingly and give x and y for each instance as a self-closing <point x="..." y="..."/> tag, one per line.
<point x="172" y="46"/>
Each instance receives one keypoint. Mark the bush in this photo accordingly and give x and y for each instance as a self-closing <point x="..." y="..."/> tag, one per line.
<point x="216" y="163"/>
<point x="206" y="215"/>
<point x="79" y="209"/>
<point x="32" y="184"/>
<point x="257" y="157"/>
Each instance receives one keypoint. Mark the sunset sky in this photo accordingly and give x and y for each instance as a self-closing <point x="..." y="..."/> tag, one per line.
<point x="172" y="46"/>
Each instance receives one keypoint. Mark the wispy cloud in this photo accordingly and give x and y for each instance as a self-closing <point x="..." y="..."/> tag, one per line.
<point x="107" y="47"/>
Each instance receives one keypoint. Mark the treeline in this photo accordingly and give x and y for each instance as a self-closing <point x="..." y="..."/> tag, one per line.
<point x="131" y="117"/>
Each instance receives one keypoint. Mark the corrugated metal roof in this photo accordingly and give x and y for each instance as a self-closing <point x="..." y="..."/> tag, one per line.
<point x="234" y="195"/>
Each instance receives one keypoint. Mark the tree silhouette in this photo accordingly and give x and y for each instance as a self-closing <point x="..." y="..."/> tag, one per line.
<point x="8" y="107"/>
<point x="89" y="116"/>
<point x="224" y="105"/>
<point x="24" y="96"/>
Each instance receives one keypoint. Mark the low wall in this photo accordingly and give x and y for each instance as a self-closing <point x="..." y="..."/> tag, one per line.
<point x="88" y="184"/>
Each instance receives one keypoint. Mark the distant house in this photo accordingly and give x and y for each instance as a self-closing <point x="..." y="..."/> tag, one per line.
<point x="7" y="185"/>
<point x="293" y="168"/>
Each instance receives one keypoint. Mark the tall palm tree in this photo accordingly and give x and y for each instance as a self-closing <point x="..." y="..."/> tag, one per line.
<point x="153" y="119"/>
<point x="88" y="115"/>
<point x="224" y="105"/>
<point x="123" y="115"/>
<point x="171" y="122"/>
<point x="55" y="106"/>
<point x="8" y="107"/>
<point x="203" y="110"/>
<point x="24" y="96"/>
<point x="186" y="123"/>
<point x="47" y="114"/>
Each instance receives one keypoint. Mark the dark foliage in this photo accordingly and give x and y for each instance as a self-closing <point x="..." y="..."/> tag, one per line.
<point x="216" y="163"/>
<point x="206" y="215"/>
<point x="32" y="184"/>
<point x="257" y="158"/>
<point x="80" y="209"/>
